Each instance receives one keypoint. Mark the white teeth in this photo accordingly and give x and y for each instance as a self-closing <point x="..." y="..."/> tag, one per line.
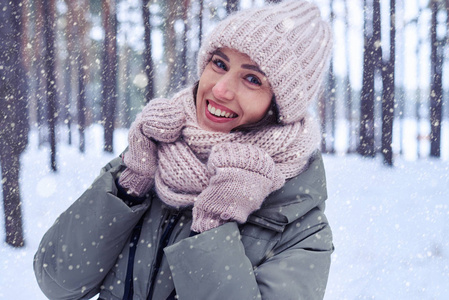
<point x="218" y="112"/>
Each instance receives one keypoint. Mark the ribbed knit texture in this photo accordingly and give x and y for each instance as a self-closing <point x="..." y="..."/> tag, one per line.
<point x="185" y="171"/>
<point x="159" y="118"/>
<point x="242" y="175"/>
<point x="288" y="41"/>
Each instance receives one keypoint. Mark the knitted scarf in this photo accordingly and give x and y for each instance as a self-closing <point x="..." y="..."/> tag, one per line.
<point x="182" y="173"/>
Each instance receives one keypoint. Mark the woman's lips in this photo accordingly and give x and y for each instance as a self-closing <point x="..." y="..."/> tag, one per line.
<point x="218" y="113"/>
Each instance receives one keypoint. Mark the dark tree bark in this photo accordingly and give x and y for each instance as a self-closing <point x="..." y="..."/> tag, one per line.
<point x="322" y="114"/>
<point x="70" y="36"/>
<point x="39" y="71"/>
<point x="14" y="121"/>
<point x="170" y="45"/>
<point x="109" y="73"/>
<point x="389" y="92"/>
<point x="200" y="23"/>
<point x="125" y="58"/>
<point x="366" y="146"/>
<point x="50" y="67"/>
<point x="81" y="101"/>
<point x="67" y="100"/>
<point x="232" y="6"/>
<point x="183" y="64"/>
<point x="436" y="84"/>
<point x="78" y="55"/>
<point x="147" y="56"/>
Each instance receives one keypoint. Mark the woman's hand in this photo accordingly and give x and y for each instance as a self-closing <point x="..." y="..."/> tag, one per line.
<point x="243" y="175"/>
<point x="161" y="120"/>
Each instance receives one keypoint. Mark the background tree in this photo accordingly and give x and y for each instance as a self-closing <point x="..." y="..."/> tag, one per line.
<point x="173" y="13"/>
<point x="78" y="49"/>
<point x="436" y="83"/>
<point x="231" y="6"/>
<point x="109" y="72"/>
<point x="183" y="59"/>
<point x="50" y="71"/>
<point x="370" y="60"/>
<point x="388" y="92"/>
<point x="14" y="119"/>
<point x="147" y="55"/>
<point x="348" y="91"/>
<point x="331" y="101"/>
<point x="419" y="99"/>
<point x="200" y="21"/>
<point x="38" y="94"/>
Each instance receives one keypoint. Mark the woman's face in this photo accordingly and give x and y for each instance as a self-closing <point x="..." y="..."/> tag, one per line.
<point x="232" y="92"/>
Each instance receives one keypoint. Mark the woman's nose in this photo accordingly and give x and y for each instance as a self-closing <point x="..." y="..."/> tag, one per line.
<point x="224" y="89"/>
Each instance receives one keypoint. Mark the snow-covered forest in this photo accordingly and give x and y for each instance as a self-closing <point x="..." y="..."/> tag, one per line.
<point x="74" y="74"/>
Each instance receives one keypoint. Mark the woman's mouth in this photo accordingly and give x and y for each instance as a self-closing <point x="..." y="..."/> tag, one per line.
<point x="219" y="111"/>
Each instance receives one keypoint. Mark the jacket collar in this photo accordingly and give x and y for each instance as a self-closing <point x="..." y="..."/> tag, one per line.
<point x="297" y="197"/>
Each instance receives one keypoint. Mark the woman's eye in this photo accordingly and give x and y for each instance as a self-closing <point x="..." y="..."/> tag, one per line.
<point x="253" y="79"/>
<point x="219" y="63"/>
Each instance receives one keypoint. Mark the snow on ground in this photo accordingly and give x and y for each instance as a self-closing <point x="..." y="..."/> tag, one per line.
<point x="391" y="225"/>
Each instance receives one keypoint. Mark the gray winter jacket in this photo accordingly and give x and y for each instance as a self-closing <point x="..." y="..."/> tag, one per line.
<point x="282" y="252"/>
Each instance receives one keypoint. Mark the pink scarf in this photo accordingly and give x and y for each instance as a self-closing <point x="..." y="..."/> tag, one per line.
<point x="182" y="174"/>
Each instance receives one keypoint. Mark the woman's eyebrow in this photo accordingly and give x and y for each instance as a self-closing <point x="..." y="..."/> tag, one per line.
<point x="244" y="66"/>
<point x="253" y="67"/>
<point x="221" y="54"/>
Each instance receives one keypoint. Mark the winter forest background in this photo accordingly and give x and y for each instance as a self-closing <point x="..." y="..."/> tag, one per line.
<point x="74" y="74"/>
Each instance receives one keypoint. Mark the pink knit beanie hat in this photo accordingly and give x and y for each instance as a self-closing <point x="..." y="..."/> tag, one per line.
<point x="291" y="44"/>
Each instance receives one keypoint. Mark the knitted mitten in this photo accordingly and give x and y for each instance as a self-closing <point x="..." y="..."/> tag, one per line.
<point x="243" y="175"/>
<point x="162" y="120"/>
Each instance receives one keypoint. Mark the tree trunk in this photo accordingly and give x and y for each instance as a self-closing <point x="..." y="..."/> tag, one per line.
<point x="200" y="23"/>
<point x="77" y="48"/>
<point x="68" y="98"/>
<point x="147" y="56"/>
<point x="418" y="89"/>
<point x="11" y="198"/>
<point x="184" y="65"/>
<point x="170" y="46"/>
<point x="388" y="93"/>
<point x="14" y="121"/>
<point x="332" y="99"/>
<point x="348" y="87"/>
<point x="232" y="6"/>
<point x="81" y="102"/>
<point x="109" y="77"/>
<point x="366" y="146"/>
<point x="436" y="85"/>
<point x="322" y="114"/>
<point x="39" y="69"/>
<point x="50" y="67"/>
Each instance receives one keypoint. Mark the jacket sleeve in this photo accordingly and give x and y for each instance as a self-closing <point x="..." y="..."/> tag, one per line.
<point x="213" y="264"/>
<point x="85" y="241"/>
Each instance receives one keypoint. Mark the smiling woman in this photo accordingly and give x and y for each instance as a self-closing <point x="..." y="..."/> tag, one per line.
<point x="221" y="192"/>
<point x="232" y="92"/>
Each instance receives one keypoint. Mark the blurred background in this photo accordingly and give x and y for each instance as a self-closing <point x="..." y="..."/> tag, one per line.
<point x="74" y="74"/>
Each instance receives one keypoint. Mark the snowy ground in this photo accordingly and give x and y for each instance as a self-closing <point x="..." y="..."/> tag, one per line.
<point x="391" y="225"/>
